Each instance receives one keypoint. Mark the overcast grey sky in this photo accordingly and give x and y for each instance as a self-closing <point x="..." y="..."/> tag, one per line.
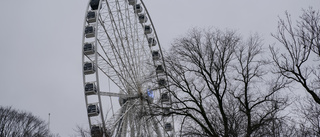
<point x="41" y="46"/>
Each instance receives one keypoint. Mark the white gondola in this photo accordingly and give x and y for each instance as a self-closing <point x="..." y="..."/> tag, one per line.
<point x="155" y="55"/>
<point x="132" y="2"/>
<point x="159" y="69"/>
<point x="94" y="4"/>
<point x="167" y="127"/>
<point x="93" y="110"/>
<point x="166" y="111"/>
<point x="165" y="97"/>
<point x="142" y="18"/>
<point x="152" y="41"/>
<point x="147" y="29"/>
<point x="96" y="131"/>
<point x="91" y="16"/>
<point x="90" y="88"/>
<point x="89" y="32"/>
<point x="138" y="8"/>
<point x="88" y="48"/>
<point x="162" y="82"/>
<point x="89" y="68"/>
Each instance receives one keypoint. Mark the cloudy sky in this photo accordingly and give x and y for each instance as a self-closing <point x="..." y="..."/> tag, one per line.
<point x="41" y="46"/>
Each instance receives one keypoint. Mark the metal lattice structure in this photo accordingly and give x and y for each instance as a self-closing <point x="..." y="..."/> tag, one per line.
<point x="123" y="71"/>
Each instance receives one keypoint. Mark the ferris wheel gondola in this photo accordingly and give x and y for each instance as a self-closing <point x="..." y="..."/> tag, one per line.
<point x="123" y="71"/>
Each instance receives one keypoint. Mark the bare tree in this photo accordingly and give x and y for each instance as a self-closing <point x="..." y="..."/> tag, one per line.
<point x="17" y="124"/>
<point x="82" y="132"/>
<point x="255" y="88"/>
<point x="309" y="117"/>
<point x="309" y="30"/>
<point x="197" y="68"/>
<point x="299" y="61"/>
<point x="214" y="77"/>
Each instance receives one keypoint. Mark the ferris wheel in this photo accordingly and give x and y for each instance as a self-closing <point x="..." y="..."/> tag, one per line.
<point x="123" y="72"/>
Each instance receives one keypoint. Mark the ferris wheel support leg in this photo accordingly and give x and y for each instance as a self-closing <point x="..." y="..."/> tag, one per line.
<point x="139" y="123"/>
<point x="132" y="129"/>
<point x="149" y="129"/>
<point x="155" y="123"/>
<point x="124" y="127"/>
<point x="139" y="128"/>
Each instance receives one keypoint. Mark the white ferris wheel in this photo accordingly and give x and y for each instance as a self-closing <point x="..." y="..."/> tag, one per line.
<point x="124" y="72"/>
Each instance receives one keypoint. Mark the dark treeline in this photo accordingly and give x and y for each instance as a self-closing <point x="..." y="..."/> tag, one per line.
<point x="15" y="123"/>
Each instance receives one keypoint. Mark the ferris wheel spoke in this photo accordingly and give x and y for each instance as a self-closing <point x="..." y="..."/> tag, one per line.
<point x="123" y="67"/>
<point x="117" y="78"/>
<point x="135" y="37"/>
<point x="113" y="67"/>
<point x="106" y="68"/>
<point x="116" y="30"/>
<point x="122" y="24"/>
<point x="127" y="50"/>
<point x="131" y="35"/>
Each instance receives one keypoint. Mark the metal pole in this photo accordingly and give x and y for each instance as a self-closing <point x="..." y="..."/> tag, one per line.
<point x="49" y="122"/>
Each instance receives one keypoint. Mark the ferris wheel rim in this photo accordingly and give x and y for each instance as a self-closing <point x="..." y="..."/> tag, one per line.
<point x="97" y="56"/>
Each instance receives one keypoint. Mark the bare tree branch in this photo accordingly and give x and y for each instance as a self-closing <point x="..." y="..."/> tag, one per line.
<point x="297" y="61"/>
